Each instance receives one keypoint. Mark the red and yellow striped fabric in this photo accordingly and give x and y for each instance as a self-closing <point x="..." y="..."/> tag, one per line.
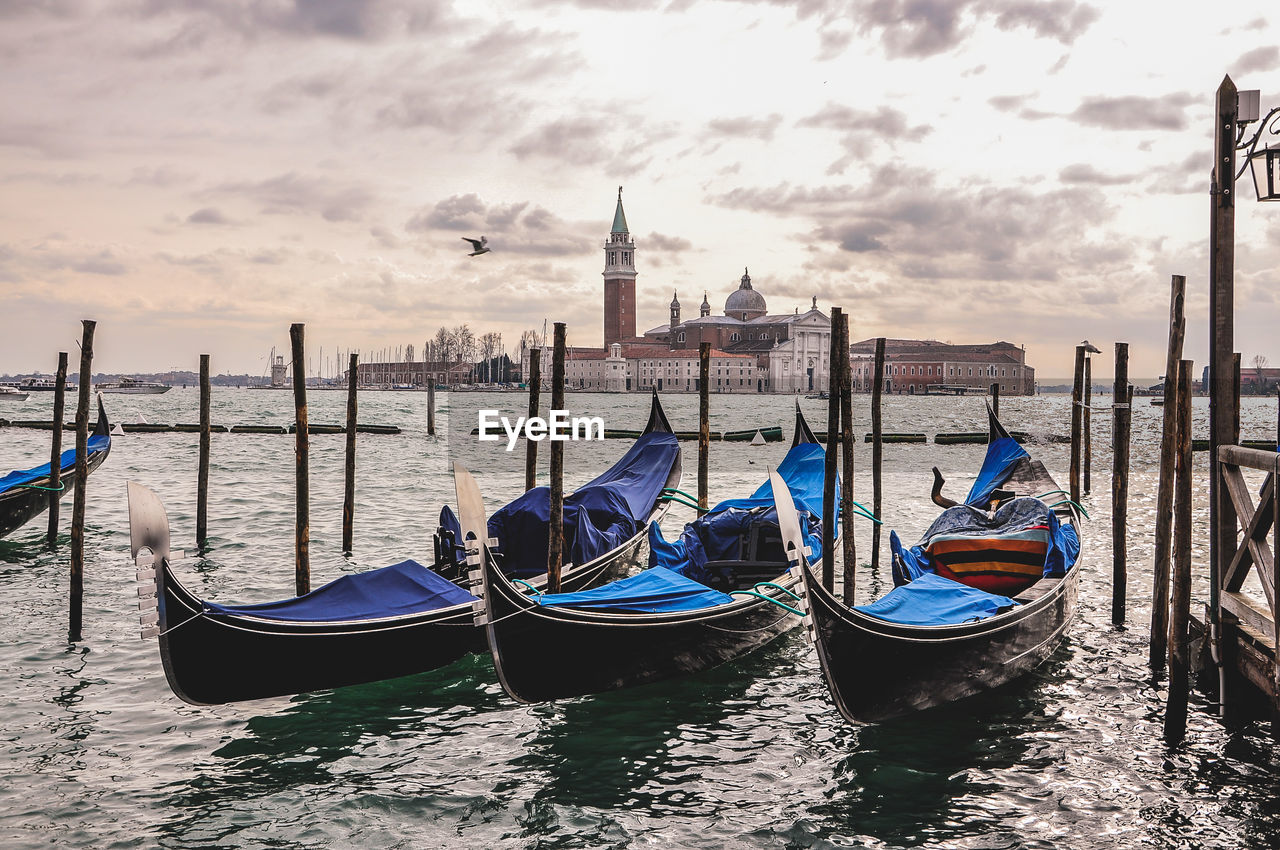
<point x="1006" y="564"/>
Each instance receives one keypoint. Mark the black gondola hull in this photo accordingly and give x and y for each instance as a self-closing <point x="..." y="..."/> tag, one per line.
<point x="876" y="670"/>
<point x="20" y="506"/>
<point x="546" y="653"/>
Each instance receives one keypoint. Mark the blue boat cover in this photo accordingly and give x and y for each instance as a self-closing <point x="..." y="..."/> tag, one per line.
<point x="598" y="517"/>
<point x="403" y="588"/>
<point x="19" y="477"/>
<point x="931" y="600"/>
<point x="715" y="536"/>
<point x="1002" y="454"/>
<point x="652" y="591"/>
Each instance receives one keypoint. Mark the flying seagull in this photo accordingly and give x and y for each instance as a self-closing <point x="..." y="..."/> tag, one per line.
<point x="479" y="246"/>
<point x="1090" y="347"/>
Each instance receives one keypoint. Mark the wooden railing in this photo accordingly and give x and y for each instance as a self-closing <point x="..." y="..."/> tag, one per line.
<point x="1256" y="622"/>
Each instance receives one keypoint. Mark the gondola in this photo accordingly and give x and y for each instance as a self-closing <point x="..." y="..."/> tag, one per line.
<point x="718" y="593"/>
<point x="24" y="493"/>
<point x="389" y="622"/>
<point x="987" y="595"/>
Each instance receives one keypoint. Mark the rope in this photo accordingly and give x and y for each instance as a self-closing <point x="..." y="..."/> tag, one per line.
<point x="535" y="590"/>
<point x="57" y="489"/>
<point x="1072" y="504"/>
<point x="681" y="492"/>
<point x="1053" y="493"/>
<point x="759" y="595"/>
<point x="761" y="584"/>
<point x="667" y="498"/>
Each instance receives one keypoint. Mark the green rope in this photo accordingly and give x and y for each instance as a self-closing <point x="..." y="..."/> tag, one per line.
<point x="693" y="505"/>
<point x="767" y="599"/>
<point x="861" y="511"/>
<point x="535" y="590"/>
<point x="681" y="492"/>
<point x="1072" y="504"/>
<point x="1053" y="493"/>
<point x="57" y="489"/>
<point x="761" y="584"/>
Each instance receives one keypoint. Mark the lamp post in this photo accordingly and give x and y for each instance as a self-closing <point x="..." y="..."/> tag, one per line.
<point x="1234" y="111"/>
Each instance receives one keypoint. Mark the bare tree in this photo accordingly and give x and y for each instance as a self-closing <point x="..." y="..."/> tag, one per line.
<point x="529" y="339"/>
<point x="444" y="345"/>
<point x="488" y="350"/>
<point x="1260" y="363"/>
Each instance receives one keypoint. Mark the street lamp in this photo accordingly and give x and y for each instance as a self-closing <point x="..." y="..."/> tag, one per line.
<point x="1264" y="163"/>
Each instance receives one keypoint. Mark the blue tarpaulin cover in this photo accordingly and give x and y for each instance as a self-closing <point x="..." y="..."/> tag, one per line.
<point x="1002" y="454"/>
<point x="931" y="600"/>
<point x="97" y="442"/>
<point x="652" y="591"/>
<point x="715" y="536"/>
<point x="598" y="517"/>
<point x="403" y="588"/>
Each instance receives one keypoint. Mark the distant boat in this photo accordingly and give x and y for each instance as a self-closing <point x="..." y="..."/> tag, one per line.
<point x="133" y="387"/>
<point x="10" y="394"/>
<point x="39" y="385"/>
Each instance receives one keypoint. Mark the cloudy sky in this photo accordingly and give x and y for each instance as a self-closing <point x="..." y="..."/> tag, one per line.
<point x="197" y="175"/>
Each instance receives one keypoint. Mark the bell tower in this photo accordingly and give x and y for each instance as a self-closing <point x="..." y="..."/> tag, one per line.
<point x="619" y="281"/>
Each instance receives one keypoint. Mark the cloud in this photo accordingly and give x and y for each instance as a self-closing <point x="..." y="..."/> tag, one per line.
<point x="1083" y="172"/>
<point x="1168" y="112"/>
<point x="353" y="20"/>
<point x="512" y="228"/>
<point x="293" y="193"/>
<point x="745" y="126"/>
<point x="661" y="242"/>
<point x="1258" y="60"/>
<point x="208" y="215"/>
<point x="861" y="129"/>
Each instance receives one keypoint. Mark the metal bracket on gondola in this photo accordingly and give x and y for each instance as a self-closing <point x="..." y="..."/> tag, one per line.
<point x="145" y="558"/>
<point x="479" y="615"/>
<point x="147" y="603"/>
<point x="146" y="591"/>
<point x="146" y="575"/>
<point x="475" y="578"/>
<point x="149" y="632"/>
<point x="149" y="618"/>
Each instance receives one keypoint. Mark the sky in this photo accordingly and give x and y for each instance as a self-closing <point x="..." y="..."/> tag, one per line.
<point x="196" y="176"/>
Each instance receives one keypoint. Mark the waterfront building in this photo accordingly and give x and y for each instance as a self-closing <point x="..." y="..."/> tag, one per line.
<point x="917" y="366"/>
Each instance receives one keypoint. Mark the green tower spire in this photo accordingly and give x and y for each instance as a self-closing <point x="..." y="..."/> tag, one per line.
<point x="619" y="217"/>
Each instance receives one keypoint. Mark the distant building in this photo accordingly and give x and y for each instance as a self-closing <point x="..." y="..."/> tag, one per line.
<point x="629" y="368"/>
<point x="406" y="374"/>
<point x="914" y="366"/>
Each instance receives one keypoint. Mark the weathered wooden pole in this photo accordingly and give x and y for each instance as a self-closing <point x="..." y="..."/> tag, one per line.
<point x="431" y="405"/>
<point x="830" y="457"/>
<point x="202" y="473"/>
<point x="1275" y="588"/>
<point x="1175" y="715"/>
<point x="1222" y="404"/>
<point x="877" y="447"/>
<point x="1164" y="495"/>
<point x="555" y="540"/>
<point x="349" y="479"/>
<point x="302" y="482"/>
<point x="55" y="454"/>
<point x="850" y="553"/>
<point x="704" y="424"/>
<point x="1121" y="415"/>
<point x="995" y="399"/>
<point x="534" y="382"/>
<point x="76" y="607"/>
<point x="1086" y="422"/>
<point x="1076" y="418"/>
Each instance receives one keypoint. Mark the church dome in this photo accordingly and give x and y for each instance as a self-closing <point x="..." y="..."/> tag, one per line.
<point x="745" y="300"/>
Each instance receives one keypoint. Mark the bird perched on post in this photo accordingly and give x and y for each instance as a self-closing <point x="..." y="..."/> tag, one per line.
<point x="1090" y="348"/>
<point x="479" y="246"/>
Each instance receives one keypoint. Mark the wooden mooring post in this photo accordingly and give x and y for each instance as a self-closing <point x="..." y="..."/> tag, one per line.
<point x="1164" y="495"/>
<point x="534" y="381"/>
<point x="1086" y="423"/>
<point x="349" y="476"/>
<point x="55" y="453"/>
<point x="995" y="399"/>
<point x="202" y="472"/>
<point x="431" y="405"/>
<point x="850" y="550"/>
<point x="831" y="455"/>
<point x="76" y="606"/>
<point x="302" y="478"/>
<point x="555" y="540"/>
<point x="1175" y="716"/>
<point x="1077" y="418"/>
<point x="1121" y="416"/>
<point x="704" y="424"/>
<point x="877" y="447"/>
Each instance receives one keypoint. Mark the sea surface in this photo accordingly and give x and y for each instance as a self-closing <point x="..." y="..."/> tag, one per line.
<point x="97" y="752"/>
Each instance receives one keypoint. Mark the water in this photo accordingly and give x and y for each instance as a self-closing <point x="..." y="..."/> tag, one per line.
<point x="98" y="752"/>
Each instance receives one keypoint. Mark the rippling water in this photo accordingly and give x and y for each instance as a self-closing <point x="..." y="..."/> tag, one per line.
<point x="99" y="753"/>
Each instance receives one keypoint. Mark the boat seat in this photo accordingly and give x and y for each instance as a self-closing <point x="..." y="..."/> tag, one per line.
<point x="1041" y="588"/>
<point x="728" y="576"/>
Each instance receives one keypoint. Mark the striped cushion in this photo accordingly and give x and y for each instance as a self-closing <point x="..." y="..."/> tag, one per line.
<point x="1006" y="564"/>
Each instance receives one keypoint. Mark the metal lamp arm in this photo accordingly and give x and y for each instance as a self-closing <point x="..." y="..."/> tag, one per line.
<point x="1273" y="117"/>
